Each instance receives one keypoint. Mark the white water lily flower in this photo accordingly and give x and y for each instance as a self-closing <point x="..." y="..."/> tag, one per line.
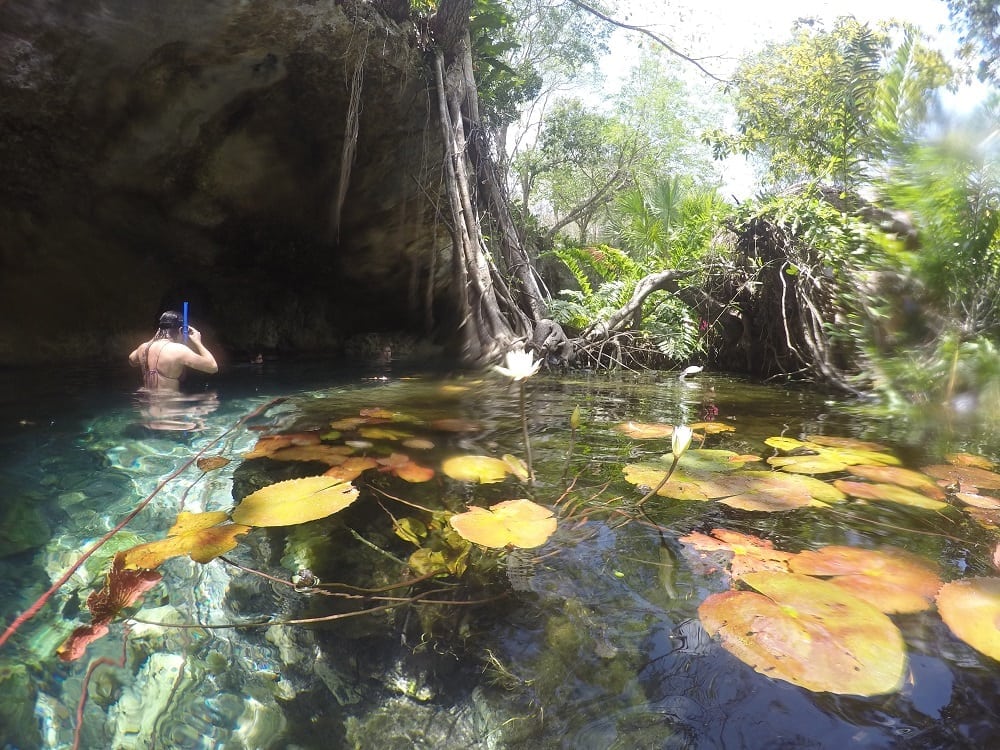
<point x="681" y="440"/>
<point x="519" y="365"/>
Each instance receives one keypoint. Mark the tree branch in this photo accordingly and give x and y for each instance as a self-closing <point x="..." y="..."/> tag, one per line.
<point x="656" y="38"/>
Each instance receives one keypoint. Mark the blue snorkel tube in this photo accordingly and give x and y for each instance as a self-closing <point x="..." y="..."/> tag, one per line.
<point x="184" y="329"/>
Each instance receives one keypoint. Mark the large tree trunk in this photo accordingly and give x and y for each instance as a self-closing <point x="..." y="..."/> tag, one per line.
<point x="496" y="310"/>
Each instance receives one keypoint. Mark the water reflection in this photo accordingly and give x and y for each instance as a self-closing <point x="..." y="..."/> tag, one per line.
<point x="595" y="641"/>
<point x="175" y="412"/>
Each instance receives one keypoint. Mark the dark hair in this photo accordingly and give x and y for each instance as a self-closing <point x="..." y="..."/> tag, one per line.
<point x="170" y="319"/>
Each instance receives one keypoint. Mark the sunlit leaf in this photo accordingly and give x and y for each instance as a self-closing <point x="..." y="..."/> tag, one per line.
<point x="891" y="492"/>
<point x="482" y="469"/>
<point x="201" y="536"/>
<point x="268" y="444"/>
<point x="969" y="459"/>
<point x="964" y="475"/>
<point x="684" y="486"/>
<point x="808" y="632"/>
<point x="787" y="444"/>
<point x="808" y="464"/>
<point x="903" y="477"/>
<point x="383" y="433"/>
<point x="518" y="523"/>
<point x="210" y="463"/>
<point x="971" y="608"/>
<point x="348" y="424"/>
<point x="793" y="487"/>
<point x="295" y="501"/>
<point x="710" y="460"/>
<point x="645" y="430"/>
<point x="891" y="579"/>
<point x="516" y="466"/>
<point x="351" y="469"/>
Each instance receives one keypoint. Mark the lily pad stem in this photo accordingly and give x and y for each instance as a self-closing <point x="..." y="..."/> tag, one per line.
<point x="657" y="488"/>
<point x="527" y="441"/>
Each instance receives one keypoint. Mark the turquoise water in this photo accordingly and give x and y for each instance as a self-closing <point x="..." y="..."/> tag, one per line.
<point x="591" y="641"/>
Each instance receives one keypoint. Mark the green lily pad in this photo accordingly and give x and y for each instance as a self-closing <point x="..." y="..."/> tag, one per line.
<point x="971" y="608"/>
<point x="684" y="485"/>
<point x="813" y="458"/>
<point x="891" y="579"/>
<point x="832" y="441"/>
<point x="808" y="464"/>
<point x="793" y="486"/>
<point x="891" y="492"/>
<point x="808" y="632"/>
<point x="710" y="459"/>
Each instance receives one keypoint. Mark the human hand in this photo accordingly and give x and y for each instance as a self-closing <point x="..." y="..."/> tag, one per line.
<point x="194" y="335"/>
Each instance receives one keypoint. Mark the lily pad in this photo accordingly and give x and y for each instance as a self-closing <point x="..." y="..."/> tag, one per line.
<point x="331" y="455"/>
<point x="711" y="428"/>
<point x="684" y="485"/>
<point x="517" y="523"/>
<point x="970" y="459"/>
<point x="749" y="553"/>
<point x="807" y="464"/>
<point x="352" y="468"/>
<point x="481" y="469"/>
<point x="832" y="441"/>
<point x="903" y="477"/>
<point x="891" y="579"/>
<point x="201" y="536"/>
<point x="965" y="475"/>
<point x="978" y="501"/>
<point x="971" y="608"/>
<point x="813" y="458"/>
<point x="295" y="501"/>
<point x="405" y="468"/>
<point x="891" y="492"/>
<point x="645" y="430"/>
<point x="810" y="633"/>
<point x="711" y="459"/>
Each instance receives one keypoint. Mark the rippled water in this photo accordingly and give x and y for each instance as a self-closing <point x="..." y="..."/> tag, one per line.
<point x="592" y="641"/>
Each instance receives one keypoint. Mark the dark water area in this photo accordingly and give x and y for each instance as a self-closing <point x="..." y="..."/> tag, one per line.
<point x="592" y="640"/>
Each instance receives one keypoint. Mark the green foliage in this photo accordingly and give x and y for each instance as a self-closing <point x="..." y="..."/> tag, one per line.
<point x="979" y="23"/>
<point x="825" y="105"/>
<point x="669" y="223"/>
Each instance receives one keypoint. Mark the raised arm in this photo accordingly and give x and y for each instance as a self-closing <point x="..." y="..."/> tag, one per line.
<point x="198" y="357"/>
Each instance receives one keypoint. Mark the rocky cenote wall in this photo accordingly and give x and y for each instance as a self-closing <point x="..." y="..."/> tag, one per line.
<point x="154" y="152"/>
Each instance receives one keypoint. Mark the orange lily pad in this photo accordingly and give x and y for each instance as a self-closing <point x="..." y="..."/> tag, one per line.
<point x="645" y="430"/>
<point x="970" y="459"/>
<point x="331" y="455"/>
<point x="516" y="523"/>
<point x="201" y="536"/>
<point x="405" y="468"/>
<point x="891" y="579"/>
<point x="979" y="501"/>
<point x="832" y="441"/>
<point x="295" y="501"/>
<point x="481" y="469"/>
<point x="891" y="492"/>
<point x="711" y="428"/>
<point x="914" y="480"/>
<point x="965" y="475"/>
<point x="749" y="553"/>
<point x="971" y="608"/>
<point x="352" y="468"/>
<point x="810" y="633"/>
